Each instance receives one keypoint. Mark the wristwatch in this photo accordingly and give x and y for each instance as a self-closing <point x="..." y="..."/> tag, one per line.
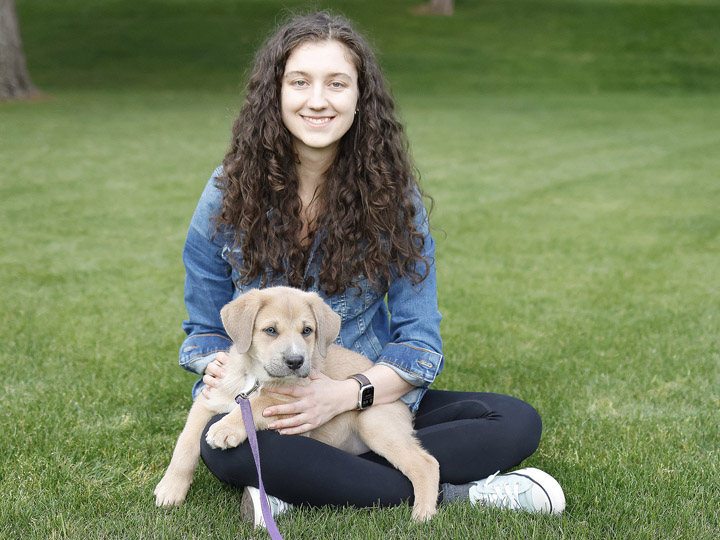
<point x="367" y="391"/>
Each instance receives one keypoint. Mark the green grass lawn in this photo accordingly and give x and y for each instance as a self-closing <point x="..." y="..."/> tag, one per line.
<point x="573" y="152"/>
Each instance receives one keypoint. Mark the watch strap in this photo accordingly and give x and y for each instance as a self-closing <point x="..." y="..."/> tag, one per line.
<point x="361" y="379"/>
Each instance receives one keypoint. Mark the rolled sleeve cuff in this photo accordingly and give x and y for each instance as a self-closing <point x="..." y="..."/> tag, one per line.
<point x="415" y="365"/>
<point x="199" y="350"/>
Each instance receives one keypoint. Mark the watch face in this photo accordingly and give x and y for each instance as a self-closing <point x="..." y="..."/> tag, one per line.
<point x="366" y="398"/>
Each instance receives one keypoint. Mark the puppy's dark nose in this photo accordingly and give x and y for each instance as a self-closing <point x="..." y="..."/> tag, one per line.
<point x="295" y="361"/>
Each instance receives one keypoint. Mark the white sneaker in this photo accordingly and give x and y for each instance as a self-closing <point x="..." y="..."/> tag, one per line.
<point x="529" y="489"/>
<point x="250" y="509"/>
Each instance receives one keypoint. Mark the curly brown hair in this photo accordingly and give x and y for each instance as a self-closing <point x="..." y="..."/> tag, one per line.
<point x="370" y="198"/>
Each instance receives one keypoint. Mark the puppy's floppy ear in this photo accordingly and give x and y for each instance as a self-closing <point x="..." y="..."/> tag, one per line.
<point x="238" y="317"/>
<point x="328" y="324"/>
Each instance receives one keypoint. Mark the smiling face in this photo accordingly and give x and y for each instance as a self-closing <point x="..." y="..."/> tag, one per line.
<point x="319" y="95"/>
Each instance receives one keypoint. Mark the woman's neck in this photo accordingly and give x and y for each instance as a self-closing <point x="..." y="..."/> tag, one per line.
<point x="311" y="168"/>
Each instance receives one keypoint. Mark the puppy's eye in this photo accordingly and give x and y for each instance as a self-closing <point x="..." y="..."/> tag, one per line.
<point x="271" y="331"/>
<point x="307" y="331"/>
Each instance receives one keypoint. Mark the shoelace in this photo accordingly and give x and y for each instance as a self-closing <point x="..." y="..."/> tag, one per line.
<point x="510" y="498"/>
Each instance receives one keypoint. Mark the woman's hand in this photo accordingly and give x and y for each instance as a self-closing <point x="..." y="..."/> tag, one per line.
<point x="214" y="371"/>
<point x="316" y="403"/>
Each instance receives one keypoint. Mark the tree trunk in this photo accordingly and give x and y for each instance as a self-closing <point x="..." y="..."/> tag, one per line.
<point x="15" y="81"/>
<point x="436" y="7"/>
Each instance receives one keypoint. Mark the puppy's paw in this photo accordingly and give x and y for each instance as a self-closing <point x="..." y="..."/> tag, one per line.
<point x="224" y="436"/>
<point x="171" y="491"/>
<point x="423" y="512"/>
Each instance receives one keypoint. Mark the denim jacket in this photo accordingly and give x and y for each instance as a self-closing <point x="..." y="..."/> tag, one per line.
<point x="402" y="333"/>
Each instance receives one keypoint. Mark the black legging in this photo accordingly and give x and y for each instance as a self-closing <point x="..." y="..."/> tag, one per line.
<point x="472" y="435"/>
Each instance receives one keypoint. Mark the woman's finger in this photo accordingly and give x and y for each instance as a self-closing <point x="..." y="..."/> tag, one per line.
<point x="304" y="428"/>
<point x="297" y="422"/>
<point x="215" y="369"/>
<point x="283" y="409"/>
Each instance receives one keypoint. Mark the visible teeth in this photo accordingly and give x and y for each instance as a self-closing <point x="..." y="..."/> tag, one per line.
<point x="317" y="121"/>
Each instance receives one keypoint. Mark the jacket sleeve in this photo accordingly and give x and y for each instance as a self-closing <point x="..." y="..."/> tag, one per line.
<point x="415" y="349"/>
<point x="208" y="287"/>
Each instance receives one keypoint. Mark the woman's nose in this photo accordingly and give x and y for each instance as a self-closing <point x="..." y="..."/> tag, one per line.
<point x="317" y="99"/>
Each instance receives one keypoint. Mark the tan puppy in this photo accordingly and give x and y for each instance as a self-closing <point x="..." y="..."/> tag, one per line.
<point x="279" y="334"/>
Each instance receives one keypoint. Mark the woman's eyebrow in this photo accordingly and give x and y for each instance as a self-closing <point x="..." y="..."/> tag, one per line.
<point x="337" y="75"/>
<point x="340" y="75"/>
<point x="295" y="74"/>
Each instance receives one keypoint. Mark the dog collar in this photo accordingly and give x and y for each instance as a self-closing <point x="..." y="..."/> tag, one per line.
<point x="246" y="393"/>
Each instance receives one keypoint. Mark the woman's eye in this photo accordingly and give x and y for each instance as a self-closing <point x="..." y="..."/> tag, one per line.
<point x="299" y="84"/>
<point x="307" y="331"/>
<point x="337" y="85"/>
<point x="271" y="331"/>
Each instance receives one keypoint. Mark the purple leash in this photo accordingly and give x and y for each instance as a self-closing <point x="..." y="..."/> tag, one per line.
<point x="244" y="403"/>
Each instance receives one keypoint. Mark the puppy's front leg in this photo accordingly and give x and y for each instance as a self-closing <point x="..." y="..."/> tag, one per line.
<point x="229" y="432"/>
<point x="173" y="487"/>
